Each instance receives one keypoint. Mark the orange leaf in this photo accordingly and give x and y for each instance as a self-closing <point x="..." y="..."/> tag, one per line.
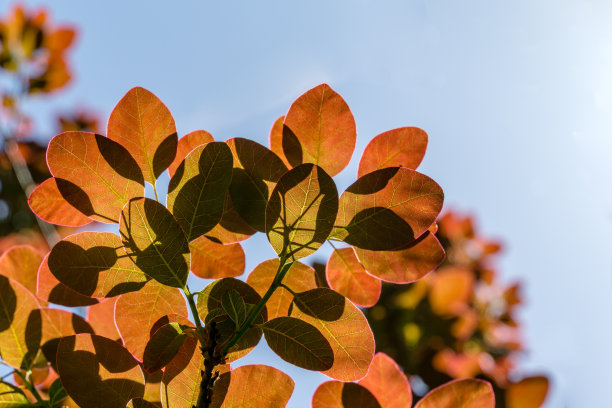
<point x="56" y="324"/>
<point x="48" y="203"/>
<point x="469" y="393"/>
<point x="387" y="208"/>
<point x="348" y="277"/>
<point x="210" y="260"/>
<point x="276" y="141"/>
<point x="96" y="371"/>
<point x="106" y="174"/>
<point x="54" y="291"/>
<point x="530" y="392"/>
<point x="405" y="264"/>
<point x="323" y="125"/>
<point x="21" y="264"/>
<point x="337" y="394"/>
<point x="186" y="144"/>
<point x="345" y="328"/>
<point x="180" y="386"/>
<point x="402" y="147"/>
<point x="252" y="386"/>
<point x="101" y="318"/>
<point x="137" y="312"/>
<point x="144" y="125"/>
<point x="387" y="382"/>
<point x="232" y="228"/>
<point x="451" y="289"/>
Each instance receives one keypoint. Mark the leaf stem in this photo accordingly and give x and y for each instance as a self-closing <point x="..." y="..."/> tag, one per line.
<point x="194" y="311"/>
<point x="29" y="385"/>
<point x="155" y="191"/>
<point x="283" y="267"/>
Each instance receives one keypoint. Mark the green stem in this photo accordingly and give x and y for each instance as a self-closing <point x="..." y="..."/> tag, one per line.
<point x="155" y="191"/>
<point x="28" y="384"/>
<point x="283" y="267"/>
<point x="194" y="310"/>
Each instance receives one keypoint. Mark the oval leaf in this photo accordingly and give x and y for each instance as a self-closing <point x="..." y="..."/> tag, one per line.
<point x="323" y="125"/>
<point x="21" y="264"/>
<point x="186" y="144"/>
<point x="52" y="290"/>
<point x="180" y="386"/>
<point x="276" y="141"/>
<point x="196" y="193"/>
<point x="387" y="208"/>
<point x="299" y="343"/>
<point x="337" y="394"/>
<point x="348" y="277"/>
<point x="106" y="176"/>
<point x="402" y="147"/>
<point x="234" y="306"/>
<point x="256" y="171"/>
<point x="405" y="264"/>
<point x="145" y="126"/>
<point x="137" y="312"/>
<point x="529" y="392"/>
<point x="163" y="345"/>
<point x="94" y="264"/>
<point x="388" y="383"/>
<point x="210" y="260"/>
<point x="48" y="203"/>
<point x="301" y="211"/>
<point x="155" y="241"/>
<point x="345" y="328"/>
<point x="96" y="371"/>
<point x="101" y="318"/>
<point x="469" y="393"/>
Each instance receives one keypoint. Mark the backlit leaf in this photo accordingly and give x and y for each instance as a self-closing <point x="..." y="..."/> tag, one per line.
<point x="404" y="264"/>
<point x="98" y="372"/>
<point x="299" y="343"/>
<point x="140" y="403"/>
<point x="337" y="394"/>
<point x="52" y="290"/>
<point x="252" y="386"/>
<point x="387" y="382"/>
<point x="186" y="144"/>
<point x="469" y="393"/>
<point x="323" y="125"/>
<point x="48" y="203"/>
<point x="145" y="127"/>
<point x="403" y="147"/>
<point x="349" y="278"/>
<point x="56" y="324"/>
<point x="529" y="392"/>
<point x="196" y="193"/>
<point x="450" y="290"/>
<point x="163" y="345"/>
<point x="232" y="227"/>
<point x="256" y="171"/>
<point x="276" y="141"/>
<point x="299" y="278"/>
<point x="95" y="264"/>
<point x="301" y="211"/>
<point x="180" y="386"/>
<point x="155" y="241"/>
<point x="387" y="208"/>
<point x="20" y="324"/>
<point x="21" y="264"/>
<point x="234" y="306"/>
<point x="345" y="328"/>
<point x="105" y="173"/>
<point x="137" y="312"/>
<point x="10" y="397"/>
<point x="101" y="318"/>
<point x="210" y="260"/>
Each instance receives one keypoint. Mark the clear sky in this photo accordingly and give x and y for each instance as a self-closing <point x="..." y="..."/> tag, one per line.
<point x="516" y="97"/>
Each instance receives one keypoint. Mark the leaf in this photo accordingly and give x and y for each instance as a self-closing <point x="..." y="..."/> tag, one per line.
<point x="299" y="278"/>
<point x="234" y="306"/>
<point x="401" y="147"/>
<point x="140" y="403"/>
<point x="21" y="263"/>
<point x="52" y="290"/>
<point x="252" y="386"/>
<point x="301" y="211"/>
<point x="405" y="264"/>
<point x="278" y="144"/>
<point x="468" y="393"/>
<point x="10" y="397"/>
<point x="348" y="277"/>
<point x="48" y="203"/>
<point x="450" y="291"/>
<point x="299" y="343"/>
<point x="211" y="298"/>
<point x="101" y="318"/>
<point x="387" y="382"/>
<point x="256" y="171"/>
<point x="155" y="241"/>
<point x="163" y="345"/>
<point x="210" y="260"/>
<point x="57" y="393"/>
<point x="345" y="328"/>
<point x="97" y="371"/>
<point x="56" y="324"/>
<point x="152" y="392"/>
<point x="137" y="312"/>
<point x="145" y="126"/>
<point x="186" y="144"/>
<point x="529" y="392"/>
<point x="180" y="386"/>
<point x="104" y="172"/>
<point x="20" y="324"/>
<point x="232" y="228"/>
<point x="95" y="264"/>
<point x="196" y="193"/>
<point x="323" y="125"/>
<point x="337" y="394"/>
<point x="387" y="209"/>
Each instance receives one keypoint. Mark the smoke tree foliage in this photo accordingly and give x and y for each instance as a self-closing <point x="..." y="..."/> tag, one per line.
<point x="147" y="339"/>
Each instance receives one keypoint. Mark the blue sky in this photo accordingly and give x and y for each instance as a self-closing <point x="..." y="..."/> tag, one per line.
<point x="516" y="97"/>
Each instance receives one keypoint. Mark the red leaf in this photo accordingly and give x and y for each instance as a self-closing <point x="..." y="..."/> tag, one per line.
<point x="48" y="203"/>
<point x="388" y="383"/>
<point x="101" y="318"/>
<point x="348" y="277"/>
